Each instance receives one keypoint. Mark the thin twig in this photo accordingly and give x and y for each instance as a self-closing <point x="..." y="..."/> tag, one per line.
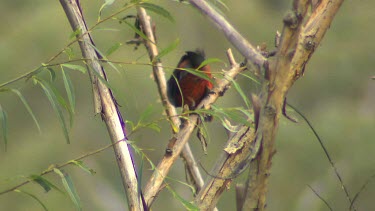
<point x="320" y="197"/>
<point x="49" y="170"/>
<point x="69" y="44"/>
<point x="360" y="191"/>
<point x="327" y="155"/>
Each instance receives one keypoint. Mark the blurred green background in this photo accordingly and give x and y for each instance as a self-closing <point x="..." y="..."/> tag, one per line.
<point x="336" y="94"/>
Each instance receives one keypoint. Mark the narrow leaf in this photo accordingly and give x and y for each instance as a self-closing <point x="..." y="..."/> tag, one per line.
<point x="187" y="205"/>
<point x="242" y="93"/>
<point x="197" y="73"/>
<point x="80" y="164"/>
<point x="62" y="102"/>
<point x="46" y="185"/>
<point x="4" y="125"/>
<point x="137" y="31"/>
<point x="52" y="73"/>
<point x="104" y="58"/>
<point x="251" y="78"/>
<point x="158" y="10"/>
<point x="41" y="182"/>
<point x="55" y="105"/>
<point x="105" y="82"/>
<point x="69" y="187"/>
<point x="146" y="114"/>
<point x="75" y="34"/>
<point x="69" y="89"/>
<point x="28" y="108"/>
<point x="75" y="67"/>
<point x="139" y="176"/>
<point x="32" y="196"/>
<point x="106" y="3"/>
<point x="209" y="61"/>
<point x="113" y="48"/>
<point x="69" y="52"/>
<point x="167" y="50"/>
<point x="154" y="127"/>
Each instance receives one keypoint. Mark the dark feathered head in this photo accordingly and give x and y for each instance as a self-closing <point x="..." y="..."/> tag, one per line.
<point x="196" y="58"/>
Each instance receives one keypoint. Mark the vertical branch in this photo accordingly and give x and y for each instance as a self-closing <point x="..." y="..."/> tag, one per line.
<point x="109" y="110"/>
<point x="170" y="110"/>
<point x="298" y="42"/>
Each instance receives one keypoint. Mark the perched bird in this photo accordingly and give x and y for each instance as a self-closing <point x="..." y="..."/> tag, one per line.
<point x="185" y="88"/>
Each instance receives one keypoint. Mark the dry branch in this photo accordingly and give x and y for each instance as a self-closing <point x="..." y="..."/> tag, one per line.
<point x="107" y="107"/>
<point x="170" y="110"/>
<point x="241" y="44"/>
<point x="298" y="41"/>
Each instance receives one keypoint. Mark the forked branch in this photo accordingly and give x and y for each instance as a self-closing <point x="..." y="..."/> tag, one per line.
<point x="299" y="39"/>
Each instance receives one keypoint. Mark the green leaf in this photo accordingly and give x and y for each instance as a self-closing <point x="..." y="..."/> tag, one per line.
<point x="222" y="4"/>
<point x="106" y="29"/>
<point x="209" y="61"/>
<point x="104" y="58"/>
<point x="167" y="50"/>
<point x="75" y="67"/>
<point x="69" y="52"/>
<point x="154" y="127"/>
<point x="75" y="34"/>
<point x="106" y="3"/>
<point x="251" y="78"/>
<point x="46" y="185"/>
<point x="32" y="196"/>
<point x="69" y="187"/>
<point x="139" y="176"/>
<point x="113" y="48"/>
<point x="146" y="114"/>
<point x="241" y="92"/>
<point x="197" y="73"/>
<point x="105" y="82"/>
<point x="80" y="164"/>
<point x="55" y="105"/>
<point x="62" y="102"/>
<point x="52" y="73"/>
<point x="69" y="89"/>
<point x="232" y="113"/>
<point x="4" y="125"/>
<point x="28" y="108"/>
<point x="158" y="10"/>
<point x="130" y="123"/>
<point x="188" y="205"/>
<point x="137" y="31"/>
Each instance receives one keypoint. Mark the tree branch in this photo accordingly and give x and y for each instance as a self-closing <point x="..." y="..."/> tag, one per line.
<point x="297" y="44"/>
<point x="241" y="44"/>
<point x="182" y="137"/>
<point x="108" y="108"/>
<point x="171" y="112"/>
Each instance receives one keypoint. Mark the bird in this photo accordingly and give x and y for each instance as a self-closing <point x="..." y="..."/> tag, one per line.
<point x="185" y="88"/>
